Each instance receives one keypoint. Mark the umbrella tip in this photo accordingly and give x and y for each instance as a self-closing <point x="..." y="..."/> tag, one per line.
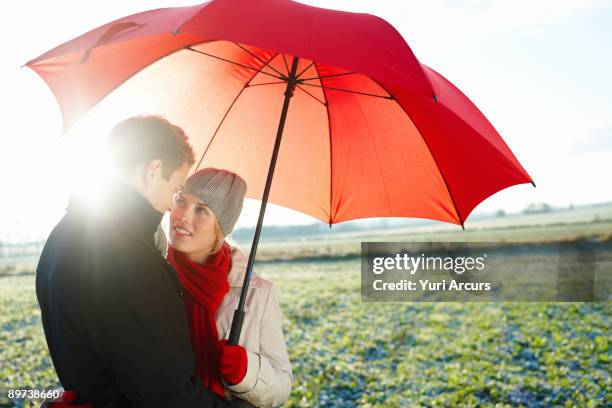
<point x="463" y="226"/>
<point x="532" y="183"/>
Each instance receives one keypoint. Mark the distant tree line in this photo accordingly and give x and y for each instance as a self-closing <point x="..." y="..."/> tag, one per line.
<point x="293" y="232"/>
<point x="538" y="208"/>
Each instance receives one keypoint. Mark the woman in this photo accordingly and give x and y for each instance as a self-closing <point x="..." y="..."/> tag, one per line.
<point x="211" y="273"/>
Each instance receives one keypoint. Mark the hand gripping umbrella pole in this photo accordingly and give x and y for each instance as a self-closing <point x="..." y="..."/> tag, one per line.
<point x="239" y="312"/>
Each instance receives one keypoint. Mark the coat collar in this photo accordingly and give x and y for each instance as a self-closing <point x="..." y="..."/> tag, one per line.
<point x="124" y="207"/>
<point x="133" y="211"/>
<point x="238" y="270"/>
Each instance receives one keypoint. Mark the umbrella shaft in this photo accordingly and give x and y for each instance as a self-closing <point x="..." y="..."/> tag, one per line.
<point x="239" y="313"/>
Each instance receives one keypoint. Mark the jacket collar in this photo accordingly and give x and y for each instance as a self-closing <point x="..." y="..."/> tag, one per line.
<point x="126" y="208"/>
<point x="133" y="213"/>
<point x="238" y="270"/>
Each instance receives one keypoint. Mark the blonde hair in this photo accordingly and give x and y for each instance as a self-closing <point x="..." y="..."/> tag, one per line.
<point x="219" y="237"/>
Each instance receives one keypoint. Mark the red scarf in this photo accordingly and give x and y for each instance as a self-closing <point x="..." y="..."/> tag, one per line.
<point x="205" y="286"/>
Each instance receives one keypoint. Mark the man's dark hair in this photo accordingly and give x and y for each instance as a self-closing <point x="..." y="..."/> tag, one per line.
<point x="138" y="140"/>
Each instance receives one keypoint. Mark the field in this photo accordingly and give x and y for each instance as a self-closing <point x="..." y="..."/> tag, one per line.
<point x="348" y="353"/>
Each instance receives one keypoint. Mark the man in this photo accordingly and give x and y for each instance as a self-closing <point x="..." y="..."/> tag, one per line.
<point x="111" y="305"/>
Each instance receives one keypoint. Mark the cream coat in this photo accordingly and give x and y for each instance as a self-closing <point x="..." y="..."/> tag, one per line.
<point x="267" y="382"/>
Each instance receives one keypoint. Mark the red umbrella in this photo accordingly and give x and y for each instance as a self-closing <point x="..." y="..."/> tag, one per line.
<point x="367" y="130"/>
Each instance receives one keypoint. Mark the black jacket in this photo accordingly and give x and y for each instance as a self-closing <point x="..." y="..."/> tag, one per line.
<point x="112" y="309"/>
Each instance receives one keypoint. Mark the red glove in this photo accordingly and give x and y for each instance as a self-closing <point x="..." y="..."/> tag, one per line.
<point x="66" y="400"/>
<point x="233" y="362"/>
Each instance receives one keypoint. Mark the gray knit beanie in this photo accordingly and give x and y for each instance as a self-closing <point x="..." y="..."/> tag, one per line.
<point x="222" y="191"/>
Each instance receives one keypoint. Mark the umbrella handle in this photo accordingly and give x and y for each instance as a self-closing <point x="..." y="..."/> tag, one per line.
<point x="239" y="312"/>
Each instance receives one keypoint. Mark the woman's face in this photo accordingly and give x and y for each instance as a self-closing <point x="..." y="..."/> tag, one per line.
<point x="192" y="227"/>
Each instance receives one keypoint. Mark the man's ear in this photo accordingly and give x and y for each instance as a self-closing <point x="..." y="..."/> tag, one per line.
<point x="152" y="171"/>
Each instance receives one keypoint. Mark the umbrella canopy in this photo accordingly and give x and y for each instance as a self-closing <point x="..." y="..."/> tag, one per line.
<point x="370" y="132"/>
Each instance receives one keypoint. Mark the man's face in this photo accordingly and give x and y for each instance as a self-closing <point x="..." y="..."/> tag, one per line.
<point x="163" y="190"/>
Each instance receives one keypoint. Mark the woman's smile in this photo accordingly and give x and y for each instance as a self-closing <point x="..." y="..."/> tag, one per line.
<point x="182" y="231"/>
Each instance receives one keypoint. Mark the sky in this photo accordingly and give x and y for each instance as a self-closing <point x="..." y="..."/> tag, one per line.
<point x="539" y="70"/>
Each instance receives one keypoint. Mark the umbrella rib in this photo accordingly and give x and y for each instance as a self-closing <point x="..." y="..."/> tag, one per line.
<point x="312" y="96"/>
<point x="259" y="59"/>
<point x="246" y="85"/>
<point x="331" y="162"/>
<point x="286" y="65"/>
<point x="450" y="194"/>
<point x="328" y="76"/>
<point x="304" y="70"/>
<point x="237" y="63"/>
<point x="349" y="91"/>
<point x="267" y="83"/>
